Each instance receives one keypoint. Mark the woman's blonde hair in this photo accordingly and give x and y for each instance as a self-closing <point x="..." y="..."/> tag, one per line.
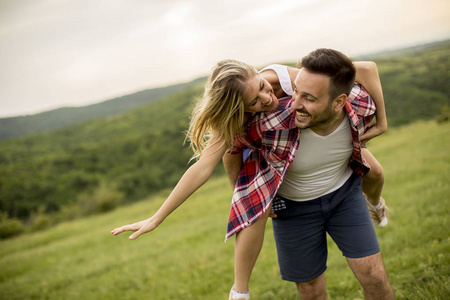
<point x="219" y="114"/>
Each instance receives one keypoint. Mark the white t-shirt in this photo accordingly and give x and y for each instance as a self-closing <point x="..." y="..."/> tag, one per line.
<point x="320" y="165"/>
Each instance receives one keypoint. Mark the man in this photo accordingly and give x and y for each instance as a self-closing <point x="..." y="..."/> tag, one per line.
<point x="320" y="192"/>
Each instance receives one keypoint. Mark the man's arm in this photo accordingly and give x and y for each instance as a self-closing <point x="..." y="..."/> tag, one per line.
<point x="232" y="164"/>
<point x="367" y="75"/>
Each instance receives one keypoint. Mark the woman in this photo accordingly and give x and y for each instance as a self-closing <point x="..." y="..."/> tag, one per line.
<point x="233" y="92"/>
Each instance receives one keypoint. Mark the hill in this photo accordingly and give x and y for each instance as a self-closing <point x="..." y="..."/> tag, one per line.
<point x="103" y="163"/>
<point x="185" y="258"/>
<point x="426" y="75"/>
<point x="133" y="154"/>
<point x="404" y="51"/>
<point x="415" y="82"/>
<point x="19" y="126"/>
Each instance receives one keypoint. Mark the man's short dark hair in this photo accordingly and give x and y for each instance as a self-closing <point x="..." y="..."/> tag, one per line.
<point x="333" y="64"/>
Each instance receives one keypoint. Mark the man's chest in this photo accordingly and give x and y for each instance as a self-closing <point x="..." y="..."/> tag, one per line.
<point x="317" y="152"/>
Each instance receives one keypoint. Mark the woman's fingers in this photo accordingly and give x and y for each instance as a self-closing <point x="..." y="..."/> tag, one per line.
<point x="140" y="228"/>
<point x="130" y="227"/>
<point x="135" y="235"/>
<point x="118" y="230"/>
<point x="146" y="227"/>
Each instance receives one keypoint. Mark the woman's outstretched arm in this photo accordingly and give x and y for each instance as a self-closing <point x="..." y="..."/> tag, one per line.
<point x="192" y="180"/>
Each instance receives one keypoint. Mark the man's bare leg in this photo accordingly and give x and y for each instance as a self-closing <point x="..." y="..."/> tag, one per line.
<point x="315" y="289"/>
<point x="372" y="275"/>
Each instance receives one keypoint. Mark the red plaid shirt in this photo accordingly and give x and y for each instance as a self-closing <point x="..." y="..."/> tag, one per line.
<point x="274" y="139"/>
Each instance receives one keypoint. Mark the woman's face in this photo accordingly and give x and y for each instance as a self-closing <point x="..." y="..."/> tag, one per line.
<point x="259" y="95"/>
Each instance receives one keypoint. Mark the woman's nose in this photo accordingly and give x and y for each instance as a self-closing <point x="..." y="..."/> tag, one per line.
<point x="266" y="99"/>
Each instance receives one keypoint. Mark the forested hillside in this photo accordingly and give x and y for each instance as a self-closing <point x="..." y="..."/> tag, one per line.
<point x="132" y="155"/>
<point x="100" y="164"/>
<point x="415" y="83"/>
<point x="62" y="117"/>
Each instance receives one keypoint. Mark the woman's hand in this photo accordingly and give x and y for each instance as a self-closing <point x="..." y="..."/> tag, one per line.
<point x="367" y="75"/>
<point x="140" y="228"/>
<point x="374" y="131"/>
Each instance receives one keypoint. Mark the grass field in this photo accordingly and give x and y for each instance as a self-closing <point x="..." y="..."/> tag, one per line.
<point x="186" y="258"/>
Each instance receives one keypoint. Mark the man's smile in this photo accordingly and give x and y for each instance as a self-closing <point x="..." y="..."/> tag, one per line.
<point x="301" y="116"/>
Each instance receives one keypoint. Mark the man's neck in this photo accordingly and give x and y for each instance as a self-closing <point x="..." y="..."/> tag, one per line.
<point x="331" y="125"/>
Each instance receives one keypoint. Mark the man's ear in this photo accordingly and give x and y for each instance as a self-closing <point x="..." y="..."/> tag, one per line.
<point x="339" y="102"/>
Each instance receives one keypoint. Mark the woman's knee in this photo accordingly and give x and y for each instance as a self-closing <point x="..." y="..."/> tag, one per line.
<point x="376" y="173"/>
<point x="376" y="170"/>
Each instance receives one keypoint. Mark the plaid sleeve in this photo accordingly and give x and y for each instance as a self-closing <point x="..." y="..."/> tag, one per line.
<point x="362" y="109"/>
<point x="361" y="101"/>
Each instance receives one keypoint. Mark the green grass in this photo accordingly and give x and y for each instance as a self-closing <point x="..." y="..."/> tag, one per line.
<point x="186" y="257"/>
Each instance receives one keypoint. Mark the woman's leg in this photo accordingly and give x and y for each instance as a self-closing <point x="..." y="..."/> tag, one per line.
<point x="372" y="185"/>
<point x="247" y="247"/>
<point x="372" y="182"/>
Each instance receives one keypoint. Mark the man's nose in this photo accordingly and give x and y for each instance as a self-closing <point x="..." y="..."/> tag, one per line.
<point x="297" y="102"/>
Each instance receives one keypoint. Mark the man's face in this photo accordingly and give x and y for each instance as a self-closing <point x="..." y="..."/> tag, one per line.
<point x="312" y="101"/>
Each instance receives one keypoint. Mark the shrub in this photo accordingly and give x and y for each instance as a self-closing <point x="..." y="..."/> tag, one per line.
<point x="41" y="222"/>
<point x="10" y="227"/>
<point x="104" y="198"/>
<point x="67" y="213"/>
<point x="444" y="116"/>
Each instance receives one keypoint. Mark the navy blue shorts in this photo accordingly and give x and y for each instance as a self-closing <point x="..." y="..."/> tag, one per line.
<point x="300" y="231"/>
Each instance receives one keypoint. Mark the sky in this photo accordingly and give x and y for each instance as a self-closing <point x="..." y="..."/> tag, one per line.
<point x="59" y="53"/>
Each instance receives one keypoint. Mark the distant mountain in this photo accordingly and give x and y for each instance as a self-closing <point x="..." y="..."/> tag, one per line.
<point x="141" y="151"/>
<point x="387" y="61"/>
<point x="19" y="126"/>
<point x="390" y="54"/>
